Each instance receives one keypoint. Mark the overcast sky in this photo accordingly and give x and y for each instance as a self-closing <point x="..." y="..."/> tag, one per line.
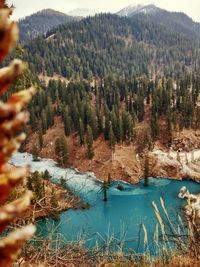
<point x="27" y="7"/>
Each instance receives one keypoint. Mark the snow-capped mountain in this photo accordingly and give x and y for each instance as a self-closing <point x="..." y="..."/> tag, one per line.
<point x="137" y="9"/>
<point x="176" y="21"/>
<point x="82" y="12"/>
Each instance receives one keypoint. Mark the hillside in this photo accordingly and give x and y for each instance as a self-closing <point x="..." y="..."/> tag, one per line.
<point x="108" y="126"/>
<point x="176" y="21"/>
<point x="110" y="98"/>
<point x="40" y="23"/>
<point x="108" y="44"/>
<point x="104" y="115"/>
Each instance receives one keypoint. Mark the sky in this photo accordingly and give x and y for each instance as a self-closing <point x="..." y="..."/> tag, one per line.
<point x="27" y="7"/>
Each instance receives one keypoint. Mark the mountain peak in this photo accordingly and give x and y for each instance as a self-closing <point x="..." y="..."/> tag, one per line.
<point x="50" y="11"/>
<point x="136" y="9"/>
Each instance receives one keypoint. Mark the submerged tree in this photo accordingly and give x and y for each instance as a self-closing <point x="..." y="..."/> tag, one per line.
<point x="109" y="179"/>
<point x="104" y="189"/>
<point x="146" y="171"/>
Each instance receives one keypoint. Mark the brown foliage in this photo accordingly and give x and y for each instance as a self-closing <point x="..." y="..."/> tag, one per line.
<point x="12" y="120"/>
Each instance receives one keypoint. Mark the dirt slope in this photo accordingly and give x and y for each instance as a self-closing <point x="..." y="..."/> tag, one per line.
<point x="125" y="163"/>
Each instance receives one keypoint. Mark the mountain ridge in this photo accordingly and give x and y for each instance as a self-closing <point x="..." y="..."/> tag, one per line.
<point x="136" y="9"/>
<point x="109" y="43"/>
<point x="178" y="21"/>
<point x="41" y="22"/>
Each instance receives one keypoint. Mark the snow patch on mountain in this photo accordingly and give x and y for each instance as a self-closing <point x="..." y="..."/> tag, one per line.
<point x="137" y="9"/>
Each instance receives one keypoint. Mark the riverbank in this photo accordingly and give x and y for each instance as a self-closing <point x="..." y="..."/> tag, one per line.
<point x="63" y="200"/>
<point x="176" y="165"/>
<point x="125" y="209"/>
<point x="126" y="163"/>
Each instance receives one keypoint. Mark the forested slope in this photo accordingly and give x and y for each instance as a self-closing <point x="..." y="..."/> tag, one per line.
<point x="40" y="23"/>
<point x="108" y="45"/>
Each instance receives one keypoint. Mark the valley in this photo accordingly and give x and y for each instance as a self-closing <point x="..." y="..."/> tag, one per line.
<point x="102" y="152"/>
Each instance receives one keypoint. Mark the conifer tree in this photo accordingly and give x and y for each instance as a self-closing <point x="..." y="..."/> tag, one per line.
<point x="54" y="205"/>
<point x="46" y="175"/>
<point x="49" y="113"/>
<point x="61" y="150"/>
<point x="57" y="148"/>
<point x="29" y="183"/>
<point x="33" y="118"/>
<point x="147" y="139"/>
<point x="111" y="138"/>
<point x="81" y="132"/>
<point x="40" y="136"/>
<point x="90" y="151"/>
<point x="63" y="182"/>
<point x="99" y="122"/>
<point x="67" y="122"/>
<point x="34" y="152"/>
<point x="107" y="123"/>
<point x="37" y="185"/>
<point x="64" y="150"/>
<point x="119" y="132"/>
<point x="169" y="128"/>
<point x="43" y="122"/>
<point x="154" y="127"/>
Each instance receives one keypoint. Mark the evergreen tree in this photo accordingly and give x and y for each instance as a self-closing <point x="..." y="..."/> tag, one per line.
<point x="33" y="118"/>
<point x="169" y="129"/>
<point x="111" y="138"/>
<point x="64" y="150"/>
<point x="61" y="150"/>
<point x="54" y="206"/>
<point x="107" y="123"/>
<point x="81" y="132"/>
<point x="40" y="136"/>
<point x="46" y="175"/>
<point x="90" y="151"/>
<point x="147" y="139"/>
<point x="63" y="182"/>
<point x="49" y="113"/>
<point x="29" y="183"/>
<point x="37" y="185"/>
<point x="67" y="122"/>
<point x="154" y="127"/>
<point x="44" y="122"/>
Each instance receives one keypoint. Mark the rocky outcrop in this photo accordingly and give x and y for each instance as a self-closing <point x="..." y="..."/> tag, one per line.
<point x="177" y="165"/>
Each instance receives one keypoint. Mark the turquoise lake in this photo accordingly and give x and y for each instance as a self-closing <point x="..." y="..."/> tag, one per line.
<point x="121" y="216"/>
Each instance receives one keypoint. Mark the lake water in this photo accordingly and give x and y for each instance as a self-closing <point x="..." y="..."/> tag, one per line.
<point x="121" y="217"/>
